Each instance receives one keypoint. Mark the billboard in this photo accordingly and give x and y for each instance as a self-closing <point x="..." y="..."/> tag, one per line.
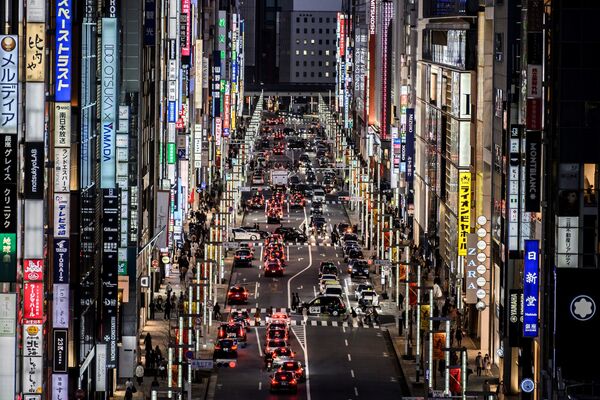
<point x="149" y="22"/>
<point x="184" y="27"/>
<point x="109" y="99"/>
<point x="464" y="211"/>
<point x="533" y="160"/>
<point x="110" y="244"/>
<point x="410" y="146"/>
<point x="531" y="286"/>
<point x="62" y="48"/>
<point x="9" y="77"/>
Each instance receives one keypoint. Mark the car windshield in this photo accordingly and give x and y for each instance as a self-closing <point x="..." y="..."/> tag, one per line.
<point x="237" y="289"/>
<point x="243" y="252"/>
<point x="334" y="290"/>
<point x="369" y="293"/>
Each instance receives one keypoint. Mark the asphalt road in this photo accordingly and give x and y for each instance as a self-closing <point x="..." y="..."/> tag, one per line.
<point x="344" y="359"/>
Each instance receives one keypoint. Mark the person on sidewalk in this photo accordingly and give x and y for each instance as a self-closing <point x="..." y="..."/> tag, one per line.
<point x="152" y="306"/>
<point x="167" y="309"/>
<point x="458" y="336"/>
<point x="148" y="342"/>
<point x="487" y="365"/>
<point x="479" y="363"/>
<point x="217" y="312"/>
<point x="139" y="373"/>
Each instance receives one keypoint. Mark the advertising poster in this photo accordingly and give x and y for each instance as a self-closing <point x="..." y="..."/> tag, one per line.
<point x="33" y="300"/>
<point x="33" y="270"/>
<point x="109" y="98"/>
<point x="425" y="313"/>
<point x="439" y="343"/>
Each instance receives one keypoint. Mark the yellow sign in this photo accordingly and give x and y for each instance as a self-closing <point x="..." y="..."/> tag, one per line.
<point x="439" y="343"/>
<point x="34" y="52"/>
<point x="425" y="312"/>
<point x="464" y="210"/>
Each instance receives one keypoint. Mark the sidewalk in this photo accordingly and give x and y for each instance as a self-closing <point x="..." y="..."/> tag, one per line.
<point x="161" y="333"/>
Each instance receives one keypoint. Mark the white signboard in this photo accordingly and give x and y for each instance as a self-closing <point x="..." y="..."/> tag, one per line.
<point x="8" y="338"/>
<point x="61" y="215"/>
<point x="567" y="242"/>
<point x="60" y="387"/>
<point x="62" y="169"/>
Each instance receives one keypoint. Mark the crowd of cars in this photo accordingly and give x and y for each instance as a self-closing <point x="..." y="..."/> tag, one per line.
<point x="279" y="356"/>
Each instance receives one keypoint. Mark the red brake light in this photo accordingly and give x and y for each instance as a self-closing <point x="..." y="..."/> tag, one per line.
<point x="293" y="381"/>
<point x="284" y="378"/>
<point x="273" y="380"/>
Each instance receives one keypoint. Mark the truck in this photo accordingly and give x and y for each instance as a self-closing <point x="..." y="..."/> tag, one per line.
<point x="279" y="178"/>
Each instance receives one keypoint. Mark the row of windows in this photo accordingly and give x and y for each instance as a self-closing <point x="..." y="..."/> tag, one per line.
<point x="312" y="41"/>
<point x="312" y="52"/>
<point x="327" y="31"/>
<point x="327" y="20"/>
<point x="312" y="74"/>
<point x="312" y="63"/>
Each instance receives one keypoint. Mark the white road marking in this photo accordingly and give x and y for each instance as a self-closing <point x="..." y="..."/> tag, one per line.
<point x="355" y="391"/>
<point x="257" y="304"/>
<point x="349" y="357"/>
<point x="306" y="368"/>
<point x="385" y="354"/>
<point x="259" y="385"/>
<point x="346" y="292"/>
<point x="344" y="329"/>
<point x="346" y="342"/>
<point x="256" y="291"/>
<point x="260" y="353"/>
<point x="315" y="290"/>
<point x="289" y="282"/>
<point x="352" y="372"/>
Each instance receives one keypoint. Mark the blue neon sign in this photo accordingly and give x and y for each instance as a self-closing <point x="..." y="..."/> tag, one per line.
<point x="62" y="48"/>
<point x="531" y="285"/>
<point x="171" y="112"/>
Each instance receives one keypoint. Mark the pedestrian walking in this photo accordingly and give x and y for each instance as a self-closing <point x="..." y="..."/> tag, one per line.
<point x="487" y="365"/>
<point x="148" y="342"/>
<point x="139" y="373"/>
<point x="479" y="363"/>
<point x="257" y="317"/>
<point x="294" y="302"/>
<point x="152" y="306"/>
<point x="168" y="309"/>
<point x="459" y="336"/>
<point x="217" y="312"/>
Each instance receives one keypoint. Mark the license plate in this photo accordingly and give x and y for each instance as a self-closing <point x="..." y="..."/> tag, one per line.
<point x="283" y="383"/>
<point x="231" y="335"/>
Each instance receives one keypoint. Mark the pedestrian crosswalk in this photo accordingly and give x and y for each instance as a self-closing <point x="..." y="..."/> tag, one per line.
<point x="350" y="323"/>
<point x="299" y="244"/>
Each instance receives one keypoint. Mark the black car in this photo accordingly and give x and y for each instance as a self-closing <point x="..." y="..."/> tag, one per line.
<point x="324" y="304"/>
<point x="354" y="253"/>
<point x="318" y="223"/>
<point x="293" y="181"/>
<point x="242" y="257"/>
<point x="225" y="349"/>
<point x="291" y="234"/>
<point x="284" y="381"/>
<point x="360" y="270"/>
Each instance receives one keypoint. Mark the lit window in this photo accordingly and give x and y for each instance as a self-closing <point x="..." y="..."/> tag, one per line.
<point x="297" y="52"/>
<point x="305" y="52"/>
<point x="297" y="41"/>
<point x="327" y="63"/>
<point x="326" y="52"/>
<point x="326" y="74"/>
<point x="312" y="53"/>
<point x="305" y="42"/>
<point x="312" y="41"/>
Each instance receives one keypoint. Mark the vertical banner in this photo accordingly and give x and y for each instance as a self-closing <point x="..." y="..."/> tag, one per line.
<point x="184" y="27"/>
<point x="387" y="13"/>
<point x="63" y="48"/>
<point x="464" y="211"/>
<point x="533" y="159"/>
<point x="149" y="22"/>
<point x="33" y="352"/>
<point x="34" y="170"/>
<point x="410" y="146"/>
<point x="9" y="78"/>
<point x="8" y="252"/>
<point x="515" y="317"/>
<point x="34" y="52"/>
<point x="109" y="98"/>
<point x="110" y="243"/>
<point x="531" y="288"/>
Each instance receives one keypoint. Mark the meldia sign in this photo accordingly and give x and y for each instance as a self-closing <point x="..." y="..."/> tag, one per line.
<point x="109" y="103"/>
